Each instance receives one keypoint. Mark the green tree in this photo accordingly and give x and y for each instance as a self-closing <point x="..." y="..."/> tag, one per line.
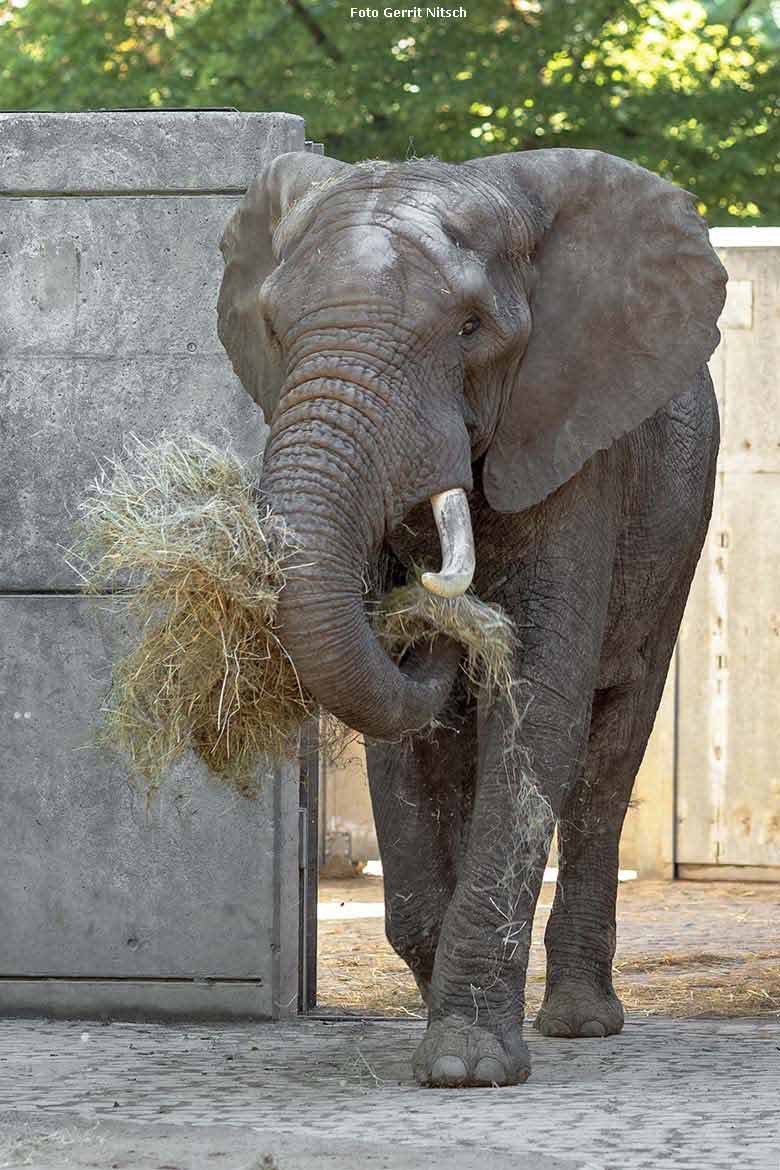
<point x="688" y="89"/>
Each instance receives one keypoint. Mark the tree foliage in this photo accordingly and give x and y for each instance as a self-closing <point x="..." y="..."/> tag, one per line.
<point x="689" y="89"/>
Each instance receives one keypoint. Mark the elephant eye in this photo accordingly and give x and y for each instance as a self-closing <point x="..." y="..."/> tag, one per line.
<point x="469" y="326"/>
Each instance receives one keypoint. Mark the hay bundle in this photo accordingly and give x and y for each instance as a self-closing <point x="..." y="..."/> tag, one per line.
<point x="411" y="616"/>
<point x="179" y="531"/>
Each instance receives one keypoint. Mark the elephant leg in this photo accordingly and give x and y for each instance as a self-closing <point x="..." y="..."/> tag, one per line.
<point x="532" y="747"/>
<point x="421" y="793"/>
<point x="581" y="932"/>
<point x="476" y="1004"/>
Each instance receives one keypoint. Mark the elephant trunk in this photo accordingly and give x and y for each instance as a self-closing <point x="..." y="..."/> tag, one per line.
<point x="322" y="619"/>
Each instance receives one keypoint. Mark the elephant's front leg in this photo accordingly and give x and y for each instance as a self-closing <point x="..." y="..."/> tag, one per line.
<point x="476" y="1005"/>
<point x="529" y="759"/>
<point x="421" y="792"/>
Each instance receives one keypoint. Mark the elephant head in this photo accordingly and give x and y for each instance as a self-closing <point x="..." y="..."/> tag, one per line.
<point x="398" y="322"/>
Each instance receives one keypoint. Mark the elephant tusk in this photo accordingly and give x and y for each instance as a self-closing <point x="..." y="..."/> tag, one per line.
<point x="453" y="520"/>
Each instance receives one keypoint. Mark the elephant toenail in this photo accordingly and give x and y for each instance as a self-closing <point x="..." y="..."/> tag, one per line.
<point x="593" y="1028"/>
<point x="490" y="1071"/>
<point x="448" y="1070"/>
<point x="553" y="1027"/>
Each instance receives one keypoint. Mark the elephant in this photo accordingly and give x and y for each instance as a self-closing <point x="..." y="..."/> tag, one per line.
<point x="503" y="359"/>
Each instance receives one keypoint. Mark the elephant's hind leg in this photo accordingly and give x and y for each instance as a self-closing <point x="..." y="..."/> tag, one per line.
<point x="421" y="793"/>
<point x="581" y="933"/>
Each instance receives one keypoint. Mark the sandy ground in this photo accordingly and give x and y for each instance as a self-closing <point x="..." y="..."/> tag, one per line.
<point x="685" y="949"/>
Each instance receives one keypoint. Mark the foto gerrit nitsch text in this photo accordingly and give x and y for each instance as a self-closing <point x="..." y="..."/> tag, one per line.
<point x="408" y="13"/>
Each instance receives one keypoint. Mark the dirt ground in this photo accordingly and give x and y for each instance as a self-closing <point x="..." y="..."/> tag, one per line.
<point x="685" y="949"/>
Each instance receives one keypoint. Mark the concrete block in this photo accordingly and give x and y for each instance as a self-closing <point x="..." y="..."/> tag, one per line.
<point x="94" y="884"/>
<point x="109" y="273"/>
<point x="60" y="415"/>
<point x="136" y="999"/>
<point x="111" y="277"/>
<point x="149" y="150"/>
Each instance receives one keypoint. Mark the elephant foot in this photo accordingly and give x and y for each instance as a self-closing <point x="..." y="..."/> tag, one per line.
<point x="574" y="1007"/>
<point x="457" y="1054"/>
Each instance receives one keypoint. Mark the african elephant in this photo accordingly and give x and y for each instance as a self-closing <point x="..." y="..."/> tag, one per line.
<point x="522" y="340"/>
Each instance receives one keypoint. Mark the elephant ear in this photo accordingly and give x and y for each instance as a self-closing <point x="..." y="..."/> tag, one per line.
<point x="247" y="249"/>
<point x="627" y="295"/>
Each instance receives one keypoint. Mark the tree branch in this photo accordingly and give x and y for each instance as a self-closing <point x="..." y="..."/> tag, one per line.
<point x="731" y="28"/>
<point x="739" y="12"/>
<point x="320" y="37"/>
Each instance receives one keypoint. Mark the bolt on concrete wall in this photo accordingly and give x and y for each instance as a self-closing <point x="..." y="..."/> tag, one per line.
<point x="109" y="272"/>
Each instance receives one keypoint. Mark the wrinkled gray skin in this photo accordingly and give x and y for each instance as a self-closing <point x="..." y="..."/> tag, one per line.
<point x="580" y="419"/>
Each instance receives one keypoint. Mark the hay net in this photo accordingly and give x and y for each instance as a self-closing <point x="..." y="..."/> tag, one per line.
<point x="178" y="531"/>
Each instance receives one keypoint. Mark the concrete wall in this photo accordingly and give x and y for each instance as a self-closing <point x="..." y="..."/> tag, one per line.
<point x="109" y="272"/>
<point x="728" y="806"/>
<point x="707" y="801"/>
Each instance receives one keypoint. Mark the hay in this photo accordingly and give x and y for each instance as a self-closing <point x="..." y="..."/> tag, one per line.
<point x="359" y="970"/>
<point x="411" y="616"/>
<point x="178" y="531"/>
